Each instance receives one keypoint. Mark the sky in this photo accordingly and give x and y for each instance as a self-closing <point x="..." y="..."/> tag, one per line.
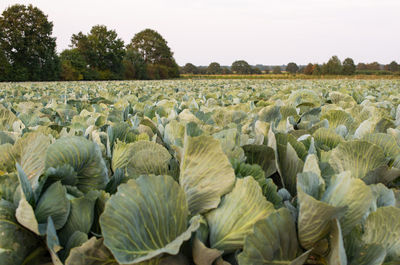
<point x="258" y="31"/>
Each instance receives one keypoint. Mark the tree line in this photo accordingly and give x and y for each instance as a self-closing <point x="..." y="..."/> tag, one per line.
<point x="28" y="52"/>
<point x="333" y="67"/>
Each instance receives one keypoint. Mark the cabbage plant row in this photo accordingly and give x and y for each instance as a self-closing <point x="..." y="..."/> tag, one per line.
<point x="200" y="172"/>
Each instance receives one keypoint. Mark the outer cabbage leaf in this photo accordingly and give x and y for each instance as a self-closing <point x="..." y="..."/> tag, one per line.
<point x="383" y="228"/>
<point x="15" y="242"/>
<point x="146" y="218"/>
<point x="92" y="252"/>
<point x="287" y="160"/>
<point x="262" y="155"/>
<point x="383" y="196"/>
<point x="327" y="138"/>
<point x="238" y="212"/>
<point x="351" y="193"/>
<point x="8" y="185"/>
<point x="359" y="157"/>
<point x="337" y="254"/>
<point x="33" y="156"/>
<point x="205" y="173"/>
<point x="52" y="242"/>
<point x="273" y="240"/>
<point x="203" y="255"/>
<point x="81" y="216"/>
<point x="7" y="158"/>
<point x="338" y="117"/>
<point x="270" y="191"/>
<point x="314" y="219"/>
<point x="54" y="203"/>
<point x="142" y="157"/>
<point x="84" y="157"/>
<point x="386" y="141"/>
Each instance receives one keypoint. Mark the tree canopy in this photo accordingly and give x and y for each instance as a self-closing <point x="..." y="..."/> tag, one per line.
<point x="276" y="70"/>
<point x="332" y="67"/>
<point x="28" y="48"/>
<point x="134" y="65"/>
<point x="73" y="65"/>
<point x="214" y="69"/>
<point x="155" y="52"/>
<point x="292" y="68"/>
<point x="241" y="67"/>
<point x="394" y="66"/>
<point x="349" y="67"/>
<point x="190" y="68"/>
<point x="102" y="50"/>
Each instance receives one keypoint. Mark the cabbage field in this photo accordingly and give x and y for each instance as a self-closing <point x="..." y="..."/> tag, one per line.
<point x="200" y="172"/>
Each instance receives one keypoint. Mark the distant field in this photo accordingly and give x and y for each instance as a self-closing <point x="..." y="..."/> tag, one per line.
<point x="289" y="76"/>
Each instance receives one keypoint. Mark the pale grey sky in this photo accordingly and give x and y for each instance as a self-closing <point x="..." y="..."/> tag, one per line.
<point x="260" y="32"/>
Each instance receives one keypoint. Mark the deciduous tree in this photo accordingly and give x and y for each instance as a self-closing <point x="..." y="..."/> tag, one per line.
<point x="155" y="52"/>
<point x="134" y="65"/>
<point x="214" y="69"/>
<point x="73" y="65"/>
<point x="241" y="67"/>
<point x="276" y="70"/>
<point x="103" y="51"/>
<point x="349" y="68"/>
<point x="394" y="66"/>
<point x="190" y="68"/>
<point x="308" y="70"/>
<point x="29" y="50"/>
<point x="332" y="67"/>
<point x="292" y="68"/>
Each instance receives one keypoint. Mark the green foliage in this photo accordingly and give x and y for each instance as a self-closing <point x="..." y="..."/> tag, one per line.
<point x="155" y="52"/>
<point x="190" y="68"/>
<point x="134" y="65"/>
<point x="276" y="70"/>
<point x="102" y="51"/>
<point x="332" y="67"/>
<point x="28" y="51"/>
<point x="292" y="68"/>
<point x="73" y="65"/>
<point x="241" y="67"/>
<point x="394" y="66"/>
<point x="349" y="68"/>
<point x="214" y="69"/>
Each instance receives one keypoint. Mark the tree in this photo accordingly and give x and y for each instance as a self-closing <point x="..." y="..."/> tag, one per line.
<point x="292" y="68"/>
<point x="226" y="70"/>
<point x="332" y="67"/>
<point x="276" y="70"/>
<point x="102" y="50"/>
<point x="190" y="69"/>
<point x="155" y="52"/>
<point x="5" y="67"/>
<point x="28" y="48"/>
<point x="375" y="66"/>
<point x="256" y="71"/>
<point x="316" y="69"/>
<point x="73" y="65"/>
<point x="134" y="65"/>
<point x="214" y="69"/>
<point x="308" y="70"/>
<point x="394" y="66"/>
<point x="349" y="68"/>
<point x="361" y="66"/>
<point x="241" y="67"/>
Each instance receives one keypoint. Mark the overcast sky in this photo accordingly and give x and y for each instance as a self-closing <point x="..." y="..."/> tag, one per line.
<point x="258" y="31"/>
